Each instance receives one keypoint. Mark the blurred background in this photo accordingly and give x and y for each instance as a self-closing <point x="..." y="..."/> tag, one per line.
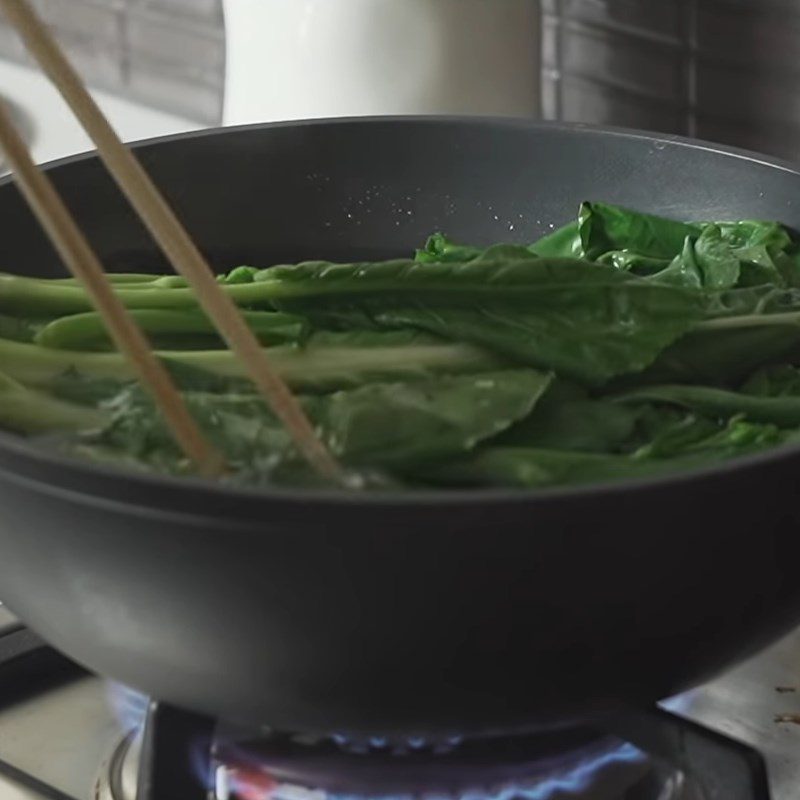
<point x="723" y="70"/>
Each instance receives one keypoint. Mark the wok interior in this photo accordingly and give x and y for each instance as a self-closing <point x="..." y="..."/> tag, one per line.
<point x="376" y="189"/>
<point x="407" y="617"/>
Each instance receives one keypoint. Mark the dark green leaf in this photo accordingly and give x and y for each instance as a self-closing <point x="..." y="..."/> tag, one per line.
<point x="566" y="418"/>
<point x="739" y="437"/>
<point x="647" y="267"/>
<point x="743" y="330"/>
<point x="718" y="264"/>
<point x="788" y="265"/>
<point x="20" y="329"/>
<point x="440" y="250"/>
<point x="526" y="467"/>
<point x="684" y="269"/>
<point x="563" y="243"/>
<point x="665" y="432"/>
<point x="585" y="321"/>
<point x="505" y="252"/>
<point x="87" y="390"/>
<point x="606" y="228"/>
<point x="676" y="433"/>
<point x="400" y="425"/>
<point x="754" y="233"/>
<point x="779" y="380"/>
<point x="751" y="301"/>
<point x="384" y="425"/>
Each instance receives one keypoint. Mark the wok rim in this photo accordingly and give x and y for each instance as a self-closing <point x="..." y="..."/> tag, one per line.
<point x="107" y="475"/>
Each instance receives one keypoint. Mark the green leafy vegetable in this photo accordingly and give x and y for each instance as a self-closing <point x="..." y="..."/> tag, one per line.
<point x="190" y="330"/>
<point x="20" y="329"/>
<point x="742" y="330"/>
<point x="386" y="425"/>
<point x="606" y="229"/>
<point x="623" y="345"/>
<point x="779" y="380"/>
<point x="529" y="467"/>
<point x="37" y="298"/>
<point x="584" y="321"/>
<point x="26" y="410"/>
<point x="440" y="250"/>
<point x="562" y="243"/>
<point x="326" y="362"/>
<point x="567" y="418"/>
<point x="783" y="411"/>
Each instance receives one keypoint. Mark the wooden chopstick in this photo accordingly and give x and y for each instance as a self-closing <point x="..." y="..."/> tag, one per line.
<point x="84" y="264"/>
<point x="173" y="239"/>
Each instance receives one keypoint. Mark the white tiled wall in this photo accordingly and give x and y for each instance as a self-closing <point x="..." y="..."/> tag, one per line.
<point x="167" y="53"/>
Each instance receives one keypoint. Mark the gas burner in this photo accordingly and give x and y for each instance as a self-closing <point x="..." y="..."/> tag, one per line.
<point x="280" y="768"/>
<point x="183" y="755"/>
<point x="118" y="774"/>
<point x="498" y="770"/>
<point x="476" y="769"/>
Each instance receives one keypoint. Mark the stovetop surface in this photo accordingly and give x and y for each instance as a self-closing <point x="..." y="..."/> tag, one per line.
<point x="64" y="735"/>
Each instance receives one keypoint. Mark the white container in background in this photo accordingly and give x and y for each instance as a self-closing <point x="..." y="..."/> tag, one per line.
<point x="303" y="59"/>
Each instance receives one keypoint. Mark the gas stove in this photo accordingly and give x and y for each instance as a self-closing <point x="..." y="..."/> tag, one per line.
<point x="69" y="735"/>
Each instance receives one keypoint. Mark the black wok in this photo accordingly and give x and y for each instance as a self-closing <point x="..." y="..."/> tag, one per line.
<point x="414" y="613"/>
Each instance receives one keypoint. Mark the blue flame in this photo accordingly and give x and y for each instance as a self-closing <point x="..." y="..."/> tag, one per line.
<point x="678" y="705"/>
<point x="572" y="781"/>
<point x="129" y="707"/>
